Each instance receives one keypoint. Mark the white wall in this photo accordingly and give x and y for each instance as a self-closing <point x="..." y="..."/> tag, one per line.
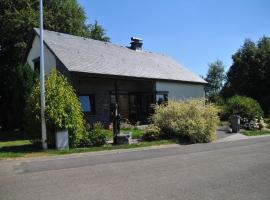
<point x="181" y="91"/>
<point x="49" y="58"/>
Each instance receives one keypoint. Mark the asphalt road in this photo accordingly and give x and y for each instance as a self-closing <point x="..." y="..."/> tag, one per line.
<point x="229" y="170"/>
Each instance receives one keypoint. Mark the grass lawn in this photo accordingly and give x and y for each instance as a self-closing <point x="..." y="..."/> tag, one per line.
<point x="23" y="148"/>
<point x="256" y="132"/>
<point x="17" y="148"/>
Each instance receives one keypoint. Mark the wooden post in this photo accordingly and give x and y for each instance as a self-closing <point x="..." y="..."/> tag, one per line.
<point x="116" y="121"/>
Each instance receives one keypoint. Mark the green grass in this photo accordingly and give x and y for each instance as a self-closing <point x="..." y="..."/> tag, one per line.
<point x="256" y="132"/>
<point x="17" y="148"/>
<point x="23" y="148"/>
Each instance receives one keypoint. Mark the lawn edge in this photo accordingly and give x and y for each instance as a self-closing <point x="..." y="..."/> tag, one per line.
<point x="51" y="156"/>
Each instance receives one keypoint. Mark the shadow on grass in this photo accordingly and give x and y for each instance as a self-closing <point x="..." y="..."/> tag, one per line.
<point x="28" y="148"/>
<point x="6" y="136"/>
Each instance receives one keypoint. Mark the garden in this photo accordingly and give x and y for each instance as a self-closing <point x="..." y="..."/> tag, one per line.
<point x="174" y="122"/>
<point x="251" y="115"/>
<point x="181" y="122"/>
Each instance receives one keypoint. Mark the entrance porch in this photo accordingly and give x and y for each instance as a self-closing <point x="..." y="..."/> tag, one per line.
<point x="98" y="97"/>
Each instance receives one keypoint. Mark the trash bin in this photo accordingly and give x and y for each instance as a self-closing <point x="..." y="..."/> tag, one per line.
<point x="61" y="139"/>
<point x="235" y="123"/>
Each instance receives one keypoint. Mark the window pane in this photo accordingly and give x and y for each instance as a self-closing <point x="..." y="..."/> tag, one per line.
<point x="160" y="98"/>
<point x="85" y="103"/>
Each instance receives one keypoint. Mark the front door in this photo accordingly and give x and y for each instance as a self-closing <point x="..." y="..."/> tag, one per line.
<point x="140" y="107"/>
<point x="124" y="106"/>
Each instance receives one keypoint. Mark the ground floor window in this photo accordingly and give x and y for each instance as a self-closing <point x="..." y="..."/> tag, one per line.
<point x="161" y="97"/>
<point x="88" y="103"/>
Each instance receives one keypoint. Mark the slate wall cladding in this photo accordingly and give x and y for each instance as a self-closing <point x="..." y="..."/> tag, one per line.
<point x="102" y="88"/>
<point x="102" y="103"/>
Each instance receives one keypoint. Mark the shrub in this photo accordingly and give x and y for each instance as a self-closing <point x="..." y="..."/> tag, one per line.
<point x="63" y="110"/>
<point x="249" y="124"/>
<point x="191" y="120"/>
<point x="267" y="122"/>
<point x="246" y="107"/>
<point x="97" y="135"/>
<point x="151" y="133"/>
<point x="125" y="124"/>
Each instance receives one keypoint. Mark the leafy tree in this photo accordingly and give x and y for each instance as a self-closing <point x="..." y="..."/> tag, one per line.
<point x="246" y="107"/>
<point x="95" y="31"/>
<point x="250" y="72"/>
<point x="22" y="79"/>
<point x="17" y="20"/>
<point x="215" y="78"/>
<point x="62" y="111"/>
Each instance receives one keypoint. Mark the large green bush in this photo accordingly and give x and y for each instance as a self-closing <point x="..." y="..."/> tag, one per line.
<point x="63" y="110"/>
<point x="246" y="107"/>
<point x="190" y="120"/>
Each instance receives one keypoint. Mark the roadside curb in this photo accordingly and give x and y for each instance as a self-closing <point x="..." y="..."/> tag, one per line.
<point x="239" y="136"/>
<point x="94" y="153"/>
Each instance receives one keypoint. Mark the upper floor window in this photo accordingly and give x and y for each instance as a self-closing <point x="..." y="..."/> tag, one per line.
<point x="36" y="62"/>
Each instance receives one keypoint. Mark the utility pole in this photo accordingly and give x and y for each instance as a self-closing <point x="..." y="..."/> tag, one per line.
<point x="42" y="87"/>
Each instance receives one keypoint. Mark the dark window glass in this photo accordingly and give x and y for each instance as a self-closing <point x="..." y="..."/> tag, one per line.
<point x="36" y="65"/>
<point x="161" y="98"/>
<point x="87" y="103"/>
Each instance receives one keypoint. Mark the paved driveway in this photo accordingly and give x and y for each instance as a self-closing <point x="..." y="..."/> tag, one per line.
<point x="229" y="170"/>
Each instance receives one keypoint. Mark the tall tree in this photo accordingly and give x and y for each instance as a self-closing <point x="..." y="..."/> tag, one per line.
<point x="17" y="20"/>
<point x="249" y="74"/>
<point x="96" y="32"/>
<point x="215" y="78"/>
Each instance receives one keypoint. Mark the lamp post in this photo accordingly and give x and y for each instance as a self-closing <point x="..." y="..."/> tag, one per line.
<point x="42" y="87"/>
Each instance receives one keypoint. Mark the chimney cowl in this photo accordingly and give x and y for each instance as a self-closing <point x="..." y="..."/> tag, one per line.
<point x="136" y="44"/>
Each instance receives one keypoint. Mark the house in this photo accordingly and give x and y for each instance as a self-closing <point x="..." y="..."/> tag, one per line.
<point x="102" y="73"/>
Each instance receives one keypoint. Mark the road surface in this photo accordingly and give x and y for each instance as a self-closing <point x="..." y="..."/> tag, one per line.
<point x="230" y="170"/>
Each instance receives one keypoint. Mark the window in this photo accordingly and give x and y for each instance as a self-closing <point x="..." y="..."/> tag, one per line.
<point x="36" y="62"/>
<point x="161" y="97"/>
<point x="87" y="103"/>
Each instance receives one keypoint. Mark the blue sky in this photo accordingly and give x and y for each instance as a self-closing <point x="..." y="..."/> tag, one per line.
<point x="193" y="32"/>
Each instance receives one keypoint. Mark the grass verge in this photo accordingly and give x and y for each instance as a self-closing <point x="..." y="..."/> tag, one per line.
<point x="23" y="148"/>
<point x="256" y="132"/>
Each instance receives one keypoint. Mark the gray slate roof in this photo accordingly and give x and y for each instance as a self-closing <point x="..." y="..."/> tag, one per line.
<point x="80" y="54"/>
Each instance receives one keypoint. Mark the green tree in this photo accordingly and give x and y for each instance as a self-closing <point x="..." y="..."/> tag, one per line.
<point x="215" y="78"/>
<point x="250" y="72"/>
<point x="63" y="110"/>
<point x="96" y="32"/>
<point x="17" y="20"/>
